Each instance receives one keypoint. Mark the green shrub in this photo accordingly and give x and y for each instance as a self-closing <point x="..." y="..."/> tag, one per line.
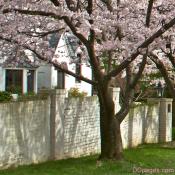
<point x="14" y="89"/>
<point x="32" y="96"/>
<point x="75" y="92"/>
<point x="5" y="96"/>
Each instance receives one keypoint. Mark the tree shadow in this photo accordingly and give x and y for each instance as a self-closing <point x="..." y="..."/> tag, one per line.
<point x="24" y="128"/>
<point x="81" y="127"/>
<point x="140" y="126"/>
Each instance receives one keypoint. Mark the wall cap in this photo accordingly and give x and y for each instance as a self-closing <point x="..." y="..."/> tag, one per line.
<point x="160" y="99"/>
<point x="115" y="89"/>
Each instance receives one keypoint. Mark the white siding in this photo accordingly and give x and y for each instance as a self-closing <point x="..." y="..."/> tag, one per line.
<point x="53" y="77"/>
<point x="44" y="77"/>
<point x="62" y="55"/>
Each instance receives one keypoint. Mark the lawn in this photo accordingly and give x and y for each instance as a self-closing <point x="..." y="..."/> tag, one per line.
<point x="149" y="157"/>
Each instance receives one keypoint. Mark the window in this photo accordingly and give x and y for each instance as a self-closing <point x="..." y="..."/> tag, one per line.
<point x="30" y="80"/>
<point x="14" y="79"/>
<point x="60" y="80"/>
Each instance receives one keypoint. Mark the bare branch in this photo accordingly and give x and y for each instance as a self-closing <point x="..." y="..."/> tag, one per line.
<point x="40" y="34"/>
<point x="33" y="13"/>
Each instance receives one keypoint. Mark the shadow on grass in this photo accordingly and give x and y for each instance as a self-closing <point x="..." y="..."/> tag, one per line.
<point x="145" y="156"/>
<point x="80" y="166"/>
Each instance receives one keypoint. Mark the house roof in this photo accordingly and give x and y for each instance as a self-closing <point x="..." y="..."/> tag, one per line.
<point x="73" y="45"/>
<point x="54" y="39"/>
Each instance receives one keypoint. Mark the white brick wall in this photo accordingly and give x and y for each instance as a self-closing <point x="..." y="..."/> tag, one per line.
<point x="25" y="129"/>
<point x="140" y="126"/>
<point x="81" y="127"/>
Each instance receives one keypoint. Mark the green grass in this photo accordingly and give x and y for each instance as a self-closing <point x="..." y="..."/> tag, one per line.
<point x="145" y="156"/>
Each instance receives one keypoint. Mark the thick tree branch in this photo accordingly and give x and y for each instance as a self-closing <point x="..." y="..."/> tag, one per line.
<point x="127" y="96"/>
<point x="56" y="64"/>
<point x="40" y="34"/>
<point x="108" y="4"/>
<point x="74" y="30"/>
<point x="109" y="63"/>
<point x="159" y="64"/>
<point x="128" y="77"/>
<point x="145" y="44"/>
<point x="72" y="6"/>
<point x="149" y="10"/>
<point x="170" y="56"/>
<point x="90" y="7"/>
<point x="123" y="112"/>
<point x="139" y="73"/>
<point x="170" y="53"/>
<point x="55" y="2"/>
<point x="128" y="92"/>
<point x="33" y="13"/>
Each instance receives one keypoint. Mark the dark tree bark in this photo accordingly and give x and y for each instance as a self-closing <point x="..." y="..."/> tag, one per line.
<point x="111" y="142"/>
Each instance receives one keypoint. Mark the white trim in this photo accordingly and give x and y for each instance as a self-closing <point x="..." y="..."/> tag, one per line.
<point x="35" y="81"/>
<point x="24" y="80"/>
<point x="24" y="83"/>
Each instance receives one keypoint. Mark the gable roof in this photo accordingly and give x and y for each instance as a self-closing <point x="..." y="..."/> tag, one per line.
<point x="71" y="44"/>
<point x="54" y="39"/>
<point x="74" y="46"/>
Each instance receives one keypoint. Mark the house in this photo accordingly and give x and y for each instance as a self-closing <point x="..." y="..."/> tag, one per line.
<point x="18" y="75"/>
<point x="68" y="52"/>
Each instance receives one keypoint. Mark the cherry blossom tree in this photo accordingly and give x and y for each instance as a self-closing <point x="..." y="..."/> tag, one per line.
<point x="124" y="34"/>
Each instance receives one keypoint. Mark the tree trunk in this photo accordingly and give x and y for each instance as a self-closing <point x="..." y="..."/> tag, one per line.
<point x="111" y="142"/>
<point x="118" y="154"/>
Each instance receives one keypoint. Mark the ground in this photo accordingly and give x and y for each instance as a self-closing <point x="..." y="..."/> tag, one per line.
<point x="155" y="157"/>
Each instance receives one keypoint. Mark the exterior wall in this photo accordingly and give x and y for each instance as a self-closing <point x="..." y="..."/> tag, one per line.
<point x="62" y="55"/>
<point x="24" y="133"/>
<point x="141" y="126"/>
<point x="60" y="127"/>
<point x="165" y="134"/>
<point x="81" y="127"/>
<point x="44" y="77"/>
